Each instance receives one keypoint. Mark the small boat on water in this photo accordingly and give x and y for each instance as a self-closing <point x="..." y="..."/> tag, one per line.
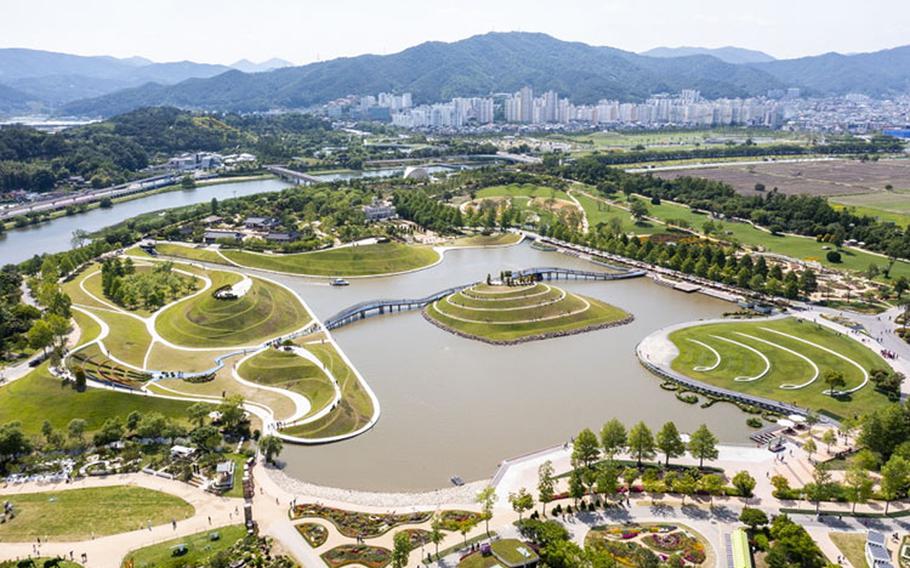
<point x="456" y="480"/>
<point x="340" y="282"/>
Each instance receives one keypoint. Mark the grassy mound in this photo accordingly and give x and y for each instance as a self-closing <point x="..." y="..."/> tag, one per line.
<point x="266" y="311"/>
<point x="766" y="339"/>
<point x="80" y="514"/>
<point x="352" y="413"/>
<point x="286" y="370"/>
<point x="366" y="260"/>
<point x="513" y="314"/>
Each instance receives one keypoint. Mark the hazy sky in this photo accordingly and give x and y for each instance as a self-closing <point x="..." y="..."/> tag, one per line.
<point x="222" y="31"/>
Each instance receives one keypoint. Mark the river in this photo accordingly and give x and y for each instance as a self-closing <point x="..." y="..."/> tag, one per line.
<point x="21" y="244"/>
<point x="453" y="406"/>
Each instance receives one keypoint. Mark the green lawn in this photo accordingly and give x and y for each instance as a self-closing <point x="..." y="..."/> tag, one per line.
<point x="488" y="240"/>
<point x="364" y="260"/>
<point x="786" y="368"/>
<point x="128" y="339"/>
<point x="599" y="212"/>
<point x="282" y="369"/>
<point x="201" y="548"/>
<point x="509" y="550"/>
<point x="353" y="412"/>
<point x="89" y="329"/>
<point x="523" y="190"/>
<point x="80" y="514"/>
<point x="266" y="311"/>
<point x="852" y="545"/>
<point x="510" y="314"/>
<point x="39" y="562"/>
<point x="891" y="206"/>
<point x="39" y="396"/>
<point x="189" y="253"/>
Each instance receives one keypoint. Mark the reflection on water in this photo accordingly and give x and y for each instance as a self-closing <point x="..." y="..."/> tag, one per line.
<point x="452" y="406"/>
<point x="54" y="236"/>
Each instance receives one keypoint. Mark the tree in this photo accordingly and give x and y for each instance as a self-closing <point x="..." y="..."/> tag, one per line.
<point x="198" y="412"/>
<point x="638" y="209"/>
<point x="40" y="336"/>
<point x="521" y="501"/>
<point x="546" y="485"/>
<point x="111" y="431"/>
<point x="436" y="535"/>
<point x="576" y="485"/>
<point x="859" y="485"/>
<point x="12" y="443"/>
<point x="901" y="285"/>
<point x="829" y="438"/>
<point x="585" y="448"/>
<point x="753" y="518"/>
<point x="835" y="381"/>
<point x="271" y="447"/>
<point x="703" y="445"/>
<point x="712" y="484"/>
<point x="809" y="447"/>
<point x="607" y="481"/>
<point x="132" y="420"/>
<point x="401" y="549"/>
<point x="895" y="479"/>
<point x="187" y="182"/>
<point x="629" y="475"/>
<point x="820" y="488"/>
<point x="76" y="430"/>
<point x="464" y="527"/>
<point x="685" y="484"/>
<point x="641" y="442"/>
<point x="613" y="438"/>
<point x="207" y="438"/>
<point x="744" y="483"/>
<point x="670" y="443"/>
<point x="486" y="498"/>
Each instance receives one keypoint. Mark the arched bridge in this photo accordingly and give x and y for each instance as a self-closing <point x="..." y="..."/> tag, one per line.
<point x="556" y="273"/>
<point x="369" y="308"/>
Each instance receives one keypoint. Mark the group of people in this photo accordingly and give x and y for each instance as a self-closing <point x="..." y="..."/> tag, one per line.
<point x="888" y="354"/>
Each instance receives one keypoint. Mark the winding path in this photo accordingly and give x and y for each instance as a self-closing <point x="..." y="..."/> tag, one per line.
<point x="788" y="386"/>
<point x="743" y="378"/>
<point x="832" y="352"/>
<point x="514" y="322"/>
<point x="717" y="358"/>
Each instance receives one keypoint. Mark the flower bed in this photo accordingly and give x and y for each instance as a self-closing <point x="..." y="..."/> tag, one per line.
<point x="369" y="556"/>
<point x="622" y="541"/>
<point x="450" y="520"/>
<point x="353" y="524"/>
<point x="418" y="537"/>
<point x="314" y="533"/>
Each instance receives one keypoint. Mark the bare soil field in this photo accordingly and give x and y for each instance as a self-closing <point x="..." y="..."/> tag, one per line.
<point x="828" y="178"/>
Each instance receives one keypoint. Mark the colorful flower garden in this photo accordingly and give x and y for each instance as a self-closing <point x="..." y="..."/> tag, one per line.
<point x="314" y="533"/>
<point x="354" y="524"/>
<point x="361" y="554"/>
<point x="666" y="540"/>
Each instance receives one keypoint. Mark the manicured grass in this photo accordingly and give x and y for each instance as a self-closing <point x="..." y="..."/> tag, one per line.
<point x="200" y="547"/>
<point x="39" y="562"/>
<point x="891" y="206"/>
<point x="189" y="253"/>
<point x="128" y="340"/>
<point x="79" y="514"/>
<point x="266" y="311"/>
<point x="353" y="412"/>
<point x="523" y="189"/>
<point x="852" y="545"/>
<point x="510" y="314"/>
<point x="39" y="396"/>
<point x="364" y="260"/>
<point x="786" y="368"/>
<point x="89" y="329"/>
<point x="508" y="550"/>
<point x="488" y="240"/>
<point x="286" y="370"/>
<point x="599" y="212"/>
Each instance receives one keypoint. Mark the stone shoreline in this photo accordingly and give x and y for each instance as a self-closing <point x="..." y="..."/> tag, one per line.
<point x="536" y="337"/>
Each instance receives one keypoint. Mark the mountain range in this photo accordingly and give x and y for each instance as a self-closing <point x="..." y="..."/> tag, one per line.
<point x="728" y="54"/>
<point x="434" y="71"/>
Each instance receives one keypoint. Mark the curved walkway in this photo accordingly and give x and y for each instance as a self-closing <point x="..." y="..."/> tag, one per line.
<point x="528" y="307"/>
<point x="743" y="378"/>
<point x="788" y="386"/>
<point x="832" y="352"/>
<point x="717" y="357"/>
<point x="515" y="322"/>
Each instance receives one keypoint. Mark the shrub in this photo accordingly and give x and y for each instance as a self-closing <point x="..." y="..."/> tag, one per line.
<point x="833" y="256"/>
<point x="754" y="422"/>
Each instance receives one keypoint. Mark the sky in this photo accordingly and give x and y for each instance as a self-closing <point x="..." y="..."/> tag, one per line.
<point x="303" y="31"/>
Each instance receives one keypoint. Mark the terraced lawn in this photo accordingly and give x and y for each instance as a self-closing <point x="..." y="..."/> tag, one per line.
<point x="760" y="357"/>
<point x="286" y="370"/>
<point x="508" y="314"/>
<point x="363" y="260"/>
<point x="201" y="547"/>
<point x="80" y="514"/>
<point x="266" y="311"/>
<point x="39" y="396"/>
<point x="352" y="413"/>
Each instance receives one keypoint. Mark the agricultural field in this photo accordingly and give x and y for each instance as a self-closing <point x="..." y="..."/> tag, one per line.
<point x="785" y="360"/>
<point x="361" y="260"/>
<point x="512" y="314"/>
<point x="80" y="514"/>
<point x="266" y="311"/>
<point x="826" y="177"/>
<point x="679" y="140"/>
<point x="201" y="547"/>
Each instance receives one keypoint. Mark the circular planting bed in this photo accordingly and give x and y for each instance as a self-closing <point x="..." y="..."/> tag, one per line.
<point x="505" y="314"/>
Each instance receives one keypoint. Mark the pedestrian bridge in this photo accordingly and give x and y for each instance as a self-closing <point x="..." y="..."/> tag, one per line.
<point x="369" y="308"/>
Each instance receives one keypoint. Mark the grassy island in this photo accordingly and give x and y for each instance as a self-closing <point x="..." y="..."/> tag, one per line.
<point x="503" y="314"/>
<point x="360" y="260"/>
<point x="785" y="359"/>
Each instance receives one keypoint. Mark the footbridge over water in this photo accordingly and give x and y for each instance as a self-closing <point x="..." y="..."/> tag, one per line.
<point x="299" y="178"/>
<point x="369" y="308"/>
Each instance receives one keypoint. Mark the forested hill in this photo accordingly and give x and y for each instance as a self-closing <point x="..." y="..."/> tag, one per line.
<point x="435" y="71"/>
<point x="113" y="151"/>
<point x="505" y="62"/>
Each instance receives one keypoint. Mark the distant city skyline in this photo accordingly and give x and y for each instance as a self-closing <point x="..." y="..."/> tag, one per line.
<point x="307" y="31"/>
